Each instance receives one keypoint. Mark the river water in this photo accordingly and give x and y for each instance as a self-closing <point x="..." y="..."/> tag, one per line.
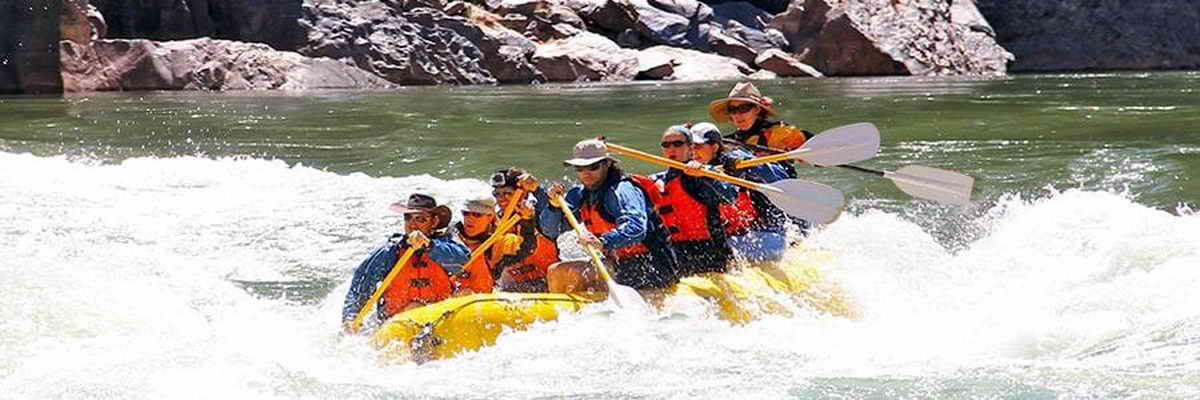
<point x="197" y="245"/>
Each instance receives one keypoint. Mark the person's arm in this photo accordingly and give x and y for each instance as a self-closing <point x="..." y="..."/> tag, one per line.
<point x="630" y="205"/>
<point x="449" y="253"/>
<point x="765" y="173"/>
<point x="367" y="277"/>
<point x="551" y="221"/>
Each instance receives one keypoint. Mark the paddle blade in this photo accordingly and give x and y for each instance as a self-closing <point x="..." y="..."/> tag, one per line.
<point x="842" y="145"/>
<point x="627" y="298"/>
<point x="933" y="184"/>
<point x="813" y="202"/>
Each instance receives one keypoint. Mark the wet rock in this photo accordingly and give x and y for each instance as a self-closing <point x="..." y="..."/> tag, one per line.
<point x="879" y="37"/>
<point x="29" y="33"/>
<point x="274" y="22"/>
<point x="692" y="65"/>
<point x="585" y="57"/>
<point x="783" y="64"/>
<point x="1073" y="35"/>
<point x="201" y="64"/>
<point x="417" y="46"/>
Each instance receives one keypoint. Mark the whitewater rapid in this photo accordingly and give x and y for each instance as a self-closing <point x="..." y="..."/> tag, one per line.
<point x="121" y="282"/>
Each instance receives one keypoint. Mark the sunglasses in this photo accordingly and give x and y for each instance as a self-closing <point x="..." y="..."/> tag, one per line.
<point x="418" y="218"/>
<point x="502" y="193"/>
<point x="593" y="168"/>
<point x="744" y="108"/>
<point x="673" y="143"/>
<point x="472" y="214"/>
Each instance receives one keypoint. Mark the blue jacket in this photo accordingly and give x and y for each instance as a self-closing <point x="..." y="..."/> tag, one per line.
<point x="623" y="198"/>
<point x="443" y="249"/>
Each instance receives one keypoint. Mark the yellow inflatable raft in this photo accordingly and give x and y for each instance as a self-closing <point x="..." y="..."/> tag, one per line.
<point x="450" y="327"/>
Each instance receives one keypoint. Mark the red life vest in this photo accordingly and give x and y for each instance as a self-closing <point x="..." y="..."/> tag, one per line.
<point x="422" y="280"/>
<point x="739" y="214"/>
<point x="684" y="218"/>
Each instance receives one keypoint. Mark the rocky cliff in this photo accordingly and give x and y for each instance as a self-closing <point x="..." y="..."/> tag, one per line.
<point x="298" y="44"/>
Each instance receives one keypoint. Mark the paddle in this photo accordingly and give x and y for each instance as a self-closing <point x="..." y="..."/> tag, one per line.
<point x="624" y="296"/>
<point x="509" y="221"/>
<point x="813" y="202"/>
<point x="356" y="324"/>
<point x="841" y="145"/>
<point x="918" y="181"/>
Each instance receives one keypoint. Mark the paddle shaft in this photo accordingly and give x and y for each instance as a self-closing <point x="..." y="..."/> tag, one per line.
<point x="676" y="164"/>
<point x="780" y="155"/>
<point x="356" y="324"/>
<point x="592" y="252"/>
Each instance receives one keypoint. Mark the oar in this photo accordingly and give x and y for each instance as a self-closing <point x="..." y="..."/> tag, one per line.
<point x="918" y="181"/>
<point x="356" y="324"/>
<point x="508" y="222"/>
<point x="837" y="146"/>
<point x="624" y="296"/>
<point x="813" y="202"/>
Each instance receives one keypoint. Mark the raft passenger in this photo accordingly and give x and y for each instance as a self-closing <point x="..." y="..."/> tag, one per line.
<point x="749" y="110"/>
<point x="690" y="207"/>
<point x="619" y="221"/>
<point x="755" y="227"/>
<point x="523" y="269"/>
<point x="426" y="277"/>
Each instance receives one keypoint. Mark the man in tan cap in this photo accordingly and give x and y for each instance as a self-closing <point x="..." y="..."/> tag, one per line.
<point x="477" y="225"/>
<point x="749" y="110"/>
<point x="619" y="220"/>
<point x="426" y="277"/>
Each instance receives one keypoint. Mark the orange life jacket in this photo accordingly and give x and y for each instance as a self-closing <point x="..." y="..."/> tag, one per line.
<point x="534" y="265"/>
<point x="422" y="280"/>
<point x="684" y="218"/>
<point x="739" y="215"/>
<point x="598" y="223"/>
<point x="477" y="275"/>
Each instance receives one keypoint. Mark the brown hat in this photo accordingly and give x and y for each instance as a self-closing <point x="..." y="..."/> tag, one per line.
<point x="419" y="202"/>
<point x="743" y="91"/>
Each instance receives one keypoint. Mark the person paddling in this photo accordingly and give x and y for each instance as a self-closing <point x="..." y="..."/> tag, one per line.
<point x="755" y="227"/>
<point x="614" y="209"/>
<point x="529" y="254"/>
<point x="477" y="225"/>
<point x="425" y="278"/>
<point x="690" y="207"/>
<point x="749" y="111"/>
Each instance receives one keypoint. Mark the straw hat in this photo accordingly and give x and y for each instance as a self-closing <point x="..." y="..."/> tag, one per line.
<point x="743" y="91"/>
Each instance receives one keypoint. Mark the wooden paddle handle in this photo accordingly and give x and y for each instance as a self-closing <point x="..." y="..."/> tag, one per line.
<point x="356" y="324"/>
<point x="676" y="164"/>
<point x="766" y="159"/>
<point x="592" y="252"/>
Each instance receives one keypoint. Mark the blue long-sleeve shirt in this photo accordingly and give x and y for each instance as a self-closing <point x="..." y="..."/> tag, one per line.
<point x="622" y="198"/>
<point x="443" y="249"/>
<point x="762" y="173"/>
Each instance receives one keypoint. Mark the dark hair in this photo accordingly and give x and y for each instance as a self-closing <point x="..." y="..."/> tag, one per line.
<point x="507" y="177"/>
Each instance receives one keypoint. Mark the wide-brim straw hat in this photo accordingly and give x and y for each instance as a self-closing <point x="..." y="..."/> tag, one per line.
<point x="743" y="91"/>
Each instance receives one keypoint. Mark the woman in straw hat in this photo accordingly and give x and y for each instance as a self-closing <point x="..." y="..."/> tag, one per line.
<point x="749" y="110"/>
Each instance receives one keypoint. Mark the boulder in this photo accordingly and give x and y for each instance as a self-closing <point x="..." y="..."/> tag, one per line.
<point x="783" y="64"/>
<point x="692" y="65"/>
<point x="585" y="57"/>
<point x="881" y="37"/>
<point x="417" y="46"/>
<point x="29" y="41"/>
<point x="274" y="22"/>
<point x="201" y="64"/>
<point x="1081" y="35"/>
